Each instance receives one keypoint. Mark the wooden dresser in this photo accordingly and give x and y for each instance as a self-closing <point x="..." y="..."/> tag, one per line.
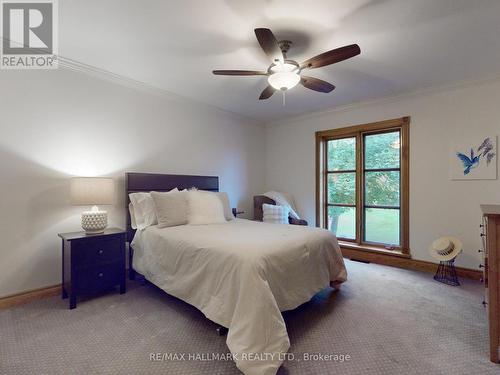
<point x="491" y="245"/>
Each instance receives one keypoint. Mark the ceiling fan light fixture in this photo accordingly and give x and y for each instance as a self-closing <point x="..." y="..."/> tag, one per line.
<point x="284" y="73"/>
<point x="284" y="76"/>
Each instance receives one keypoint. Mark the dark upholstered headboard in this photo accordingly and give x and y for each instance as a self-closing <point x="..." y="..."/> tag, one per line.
<point x="137" y="182"/>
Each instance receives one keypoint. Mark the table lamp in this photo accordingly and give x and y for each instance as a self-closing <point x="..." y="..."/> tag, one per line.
<point x="93" y="191"/>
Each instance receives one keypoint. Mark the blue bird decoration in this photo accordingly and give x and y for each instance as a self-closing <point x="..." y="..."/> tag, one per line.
<point x="468" y="163"/>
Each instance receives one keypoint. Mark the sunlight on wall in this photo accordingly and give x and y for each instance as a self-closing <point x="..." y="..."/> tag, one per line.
<point x="76" y="156"/>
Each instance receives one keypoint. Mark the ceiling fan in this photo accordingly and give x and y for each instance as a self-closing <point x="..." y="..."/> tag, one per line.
<point x="283" y="73"/>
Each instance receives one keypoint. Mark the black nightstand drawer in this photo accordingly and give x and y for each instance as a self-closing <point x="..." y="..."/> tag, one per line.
<point x="97" y="252"/>
<point x="93" y="279"/>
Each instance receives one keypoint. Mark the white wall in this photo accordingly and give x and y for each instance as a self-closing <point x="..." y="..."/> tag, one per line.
<point x="58" y="124"/>
<point x="438" y="206"/>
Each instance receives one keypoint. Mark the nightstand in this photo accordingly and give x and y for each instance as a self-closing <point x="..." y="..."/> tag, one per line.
<point x="92" y="262"/>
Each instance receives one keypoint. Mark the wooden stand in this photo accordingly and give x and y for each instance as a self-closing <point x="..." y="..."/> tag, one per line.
<point x="446" y="273"/>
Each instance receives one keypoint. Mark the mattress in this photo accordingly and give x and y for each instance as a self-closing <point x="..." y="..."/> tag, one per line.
<point x="241" y="275"/>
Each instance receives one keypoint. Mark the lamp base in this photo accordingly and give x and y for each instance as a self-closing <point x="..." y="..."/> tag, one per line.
<point x="94" y="222"/>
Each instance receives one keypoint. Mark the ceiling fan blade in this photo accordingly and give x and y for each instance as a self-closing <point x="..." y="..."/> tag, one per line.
<point x="239" y="73"/>
<point x="316" y="84"/>
<point x="332" y="57"/>
<point x="267" y="93"/>
<point x="269" y="44"/>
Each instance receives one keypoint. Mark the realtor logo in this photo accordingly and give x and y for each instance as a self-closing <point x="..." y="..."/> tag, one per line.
<point x="29" y="34"/>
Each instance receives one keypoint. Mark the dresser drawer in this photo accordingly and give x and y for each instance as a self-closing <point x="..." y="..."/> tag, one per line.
<point x="97" y="252"/>
<point x="99" y="277"/>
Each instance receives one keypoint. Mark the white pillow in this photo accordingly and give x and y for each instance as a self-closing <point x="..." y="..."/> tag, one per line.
<point x="275" y="214"/>
<point x="204" y="208"/>
<point x="171" y="208"/>
<point x="228" y="212"/>
<point x="144" y="209"/>
<point x="133" y="223"/>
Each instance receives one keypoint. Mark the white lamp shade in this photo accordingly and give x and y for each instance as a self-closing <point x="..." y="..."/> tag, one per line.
<point x="89" y="191"/>
<point x="283" y="80"/>
<point x="284" y="76"/>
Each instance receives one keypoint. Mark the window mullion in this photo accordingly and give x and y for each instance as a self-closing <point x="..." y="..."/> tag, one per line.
<point x="359" y="184"/>
<point x="325" y="186"/>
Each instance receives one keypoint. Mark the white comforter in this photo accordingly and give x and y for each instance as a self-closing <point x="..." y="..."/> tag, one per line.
<point x="241" y="275"/>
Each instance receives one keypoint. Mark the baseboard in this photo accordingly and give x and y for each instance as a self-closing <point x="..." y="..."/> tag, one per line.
<point x="387" y="260"/>
<point x="29" y="296"/>
<point x="412" y="264"/>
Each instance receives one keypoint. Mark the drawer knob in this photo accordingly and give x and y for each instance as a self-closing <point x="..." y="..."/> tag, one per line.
<point x="101" y="274"/>
<point x="101" y="251"/>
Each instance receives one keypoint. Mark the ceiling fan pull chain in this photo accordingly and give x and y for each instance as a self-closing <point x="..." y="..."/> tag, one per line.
<point x="284" y="97"/>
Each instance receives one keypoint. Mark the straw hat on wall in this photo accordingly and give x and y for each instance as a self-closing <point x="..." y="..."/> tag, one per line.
<point x="445" y="248"/>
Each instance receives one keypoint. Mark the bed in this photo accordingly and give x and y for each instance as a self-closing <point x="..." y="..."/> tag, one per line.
<point x="241" y="274"/>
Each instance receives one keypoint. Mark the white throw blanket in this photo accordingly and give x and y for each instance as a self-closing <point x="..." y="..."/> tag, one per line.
<point x="283" y="199"/>
<point x="242" y="274"/>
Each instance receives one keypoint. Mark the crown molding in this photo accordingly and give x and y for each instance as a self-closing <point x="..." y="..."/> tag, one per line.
<point x="387" y="99"/>
<point x="105" y="75"/>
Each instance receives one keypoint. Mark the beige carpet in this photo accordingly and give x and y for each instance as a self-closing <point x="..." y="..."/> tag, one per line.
<point x="388" y="320"/>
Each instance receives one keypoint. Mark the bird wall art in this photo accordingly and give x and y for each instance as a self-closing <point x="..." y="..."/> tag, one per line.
<point x="474" y="160"/>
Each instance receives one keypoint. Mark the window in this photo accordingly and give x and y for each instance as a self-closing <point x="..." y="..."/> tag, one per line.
<point x="362" y="185"/>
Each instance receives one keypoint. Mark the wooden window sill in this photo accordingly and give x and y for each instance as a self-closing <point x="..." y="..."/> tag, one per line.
<point x="374" y="249"/>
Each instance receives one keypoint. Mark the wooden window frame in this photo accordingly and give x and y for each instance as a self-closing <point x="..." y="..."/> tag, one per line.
<point x="359" y="132"/>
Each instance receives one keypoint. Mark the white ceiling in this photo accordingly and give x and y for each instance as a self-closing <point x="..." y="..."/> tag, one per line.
<point x="174" y="45"/>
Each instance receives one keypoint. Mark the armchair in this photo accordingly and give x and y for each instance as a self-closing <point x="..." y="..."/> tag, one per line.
<point x="259" y="200"/>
